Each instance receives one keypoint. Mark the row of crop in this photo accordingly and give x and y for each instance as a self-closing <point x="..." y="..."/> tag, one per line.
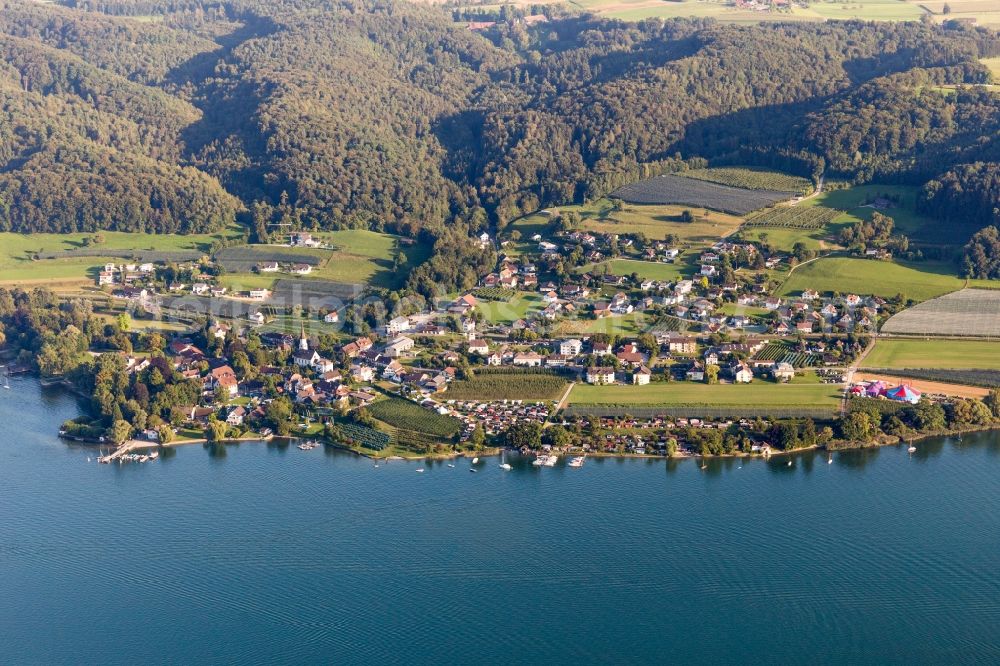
<point x="798" y="217"/>
<point x="402" y="413"/>
<point x="523" y="386"/>
<point x="494" y="294"/>
<point x="698" y="193"/>
<point x="969" y="377"/>
<point x="369" y="438"/>
<point x="772" y="352"/>
<point x="151" y="256"/>
<point x="752" y="179"/>
<point x="699" y="411"/>
<point x="799" y="359"/>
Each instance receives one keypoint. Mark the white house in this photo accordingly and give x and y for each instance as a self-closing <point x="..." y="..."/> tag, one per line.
<point x="332" y="317"/>
<point x="397" y="325"/>
<point x="571" y="347"/>
<point x="479" y="347"/>
<point x="528" y="359"/>
<point x="399" y="346"/>
<point x="300" y="269"/>
<point x="600" y="375"/>
<point x="641" y="376"/>
<point x="199" y="288"/>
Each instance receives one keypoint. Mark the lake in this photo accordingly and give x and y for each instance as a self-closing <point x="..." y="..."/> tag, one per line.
<point x="261" y="553"/>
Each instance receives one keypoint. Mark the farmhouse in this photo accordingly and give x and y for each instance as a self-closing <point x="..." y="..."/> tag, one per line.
<point x="331" y="317"/>
<point x="300" y="269"/>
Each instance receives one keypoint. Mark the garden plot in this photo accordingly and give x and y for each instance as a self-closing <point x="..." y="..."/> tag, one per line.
<point x="971" y="312"/>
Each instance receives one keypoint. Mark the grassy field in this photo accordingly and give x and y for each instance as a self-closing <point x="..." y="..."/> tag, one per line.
<point x="907" y="220"/>
<point x="637" y="10"/>
<point x="16" y="250"/>
<point x="650" y="270"/>
<point x="957" y="354"/>
<point x="868" y="277"/>
<point x="993" y="64"/>
<point x="654" y="221"/>
<point x="758" y="393"/>
<point x="869" y="10"/>
<point x="505" y="312"/>
<point x="985" y="12"/>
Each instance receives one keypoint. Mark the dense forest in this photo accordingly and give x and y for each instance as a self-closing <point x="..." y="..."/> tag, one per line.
<point x="186" y="115"/>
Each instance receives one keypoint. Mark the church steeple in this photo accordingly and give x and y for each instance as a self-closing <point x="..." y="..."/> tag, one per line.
<point x="303" y="340"/>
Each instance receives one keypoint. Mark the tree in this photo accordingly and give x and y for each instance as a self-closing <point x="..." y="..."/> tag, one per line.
<point x="124" y="322"/>
<point x="165" y="433"/>
<point x="526" y="434"/>
<point x="216" y="431"/>
<point x="857" y="427"/>
<point x="278" y="413"/>
<point x="120" y="432"/>
<point x="711" y="374"/>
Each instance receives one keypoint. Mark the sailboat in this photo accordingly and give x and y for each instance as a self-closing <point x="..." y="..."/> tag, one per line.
<point x="504" y="465"/>
<point x="829" y="459"/>
<point x="911" y="448"/>
<point x="577" y="461"/>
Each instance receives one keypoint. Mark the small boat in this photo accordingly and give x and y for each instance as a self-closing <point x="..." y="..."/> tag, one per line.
<point x="154" y="455"/>
<point x="789" y="463"/>
<point x="911" y="449"/>
<point x="420" y="469"/>
<point x="475" y="461"/>
<point x="577" y="461"/>
<point x="704" y="466"/>
<point x="829" y="460"/>
<point x="504" y="465"/>
<point x="450" y="465"/>
<point x="551" y="461"/>
<point x="472" y="469"/>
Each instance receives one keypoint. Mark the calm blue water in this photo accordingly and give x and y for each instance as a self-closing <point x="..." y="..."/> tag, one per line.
<point x="267" y="554"/>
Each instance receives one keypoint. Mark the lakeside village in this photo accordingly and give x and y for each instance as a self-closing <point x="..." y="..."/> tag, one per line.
<point x="451" y="379"/>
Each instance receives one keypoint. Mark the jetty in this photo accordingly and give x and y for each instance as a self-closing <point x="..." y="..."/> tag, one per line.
<point x="126" y="450"/>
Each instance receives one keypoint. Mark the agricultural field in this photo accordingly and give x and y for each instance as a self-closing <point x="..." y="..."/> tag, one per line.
<point x="244" y="258"/>
<point x="494" y="293"/>
<point x="363" y="436"/>
<point x="358" y="257"/>
<point x="969" y="312"/>
<point x="17" y="251"/>
<point x="793" y="217"/>
<point x="752" y="178"/>
<point x="672" y="189"/>
<point x="965" y="377"/>
<point x="953" y="354"/>
<point x="784" y="226"/>
<point x="869" y="277"/>
<point x="313" y="293"/>
<point x="489" y="386"/>
<point x="866" y="10"/>
<point x="757" y="394"/>
<point x="856" y="206"/>
<point x="654" y="221"/>
<point x="984" y="12"/>
<point x="630" y="324"/>
<point x="782" y="353"/>
<point x="408" y="415"/>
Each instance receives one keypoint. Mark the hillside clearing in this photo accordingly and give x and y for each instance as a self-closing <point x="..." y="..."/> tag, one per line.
<point x="869" y="277"/>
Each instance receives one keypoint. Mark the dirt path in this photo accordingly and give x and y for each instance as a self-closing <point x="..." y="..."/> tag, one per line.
<point x="562" y="401"/>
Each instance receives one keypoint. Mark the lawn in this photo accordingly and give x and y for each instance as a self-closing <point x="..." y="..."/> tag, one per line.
<point x="631" y="324"/>
<point x="505" y="312"/>
<point x="919" y="282"/>
<point x="993" y="64"/>
<point x="649" y="270"/>
<point x="955" y="354"/>
<point x="758" y="393"/>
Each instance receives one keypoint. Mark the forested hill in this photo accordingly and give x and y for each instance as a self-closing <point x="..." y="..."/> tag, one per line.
<point x="183" y="115"/>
